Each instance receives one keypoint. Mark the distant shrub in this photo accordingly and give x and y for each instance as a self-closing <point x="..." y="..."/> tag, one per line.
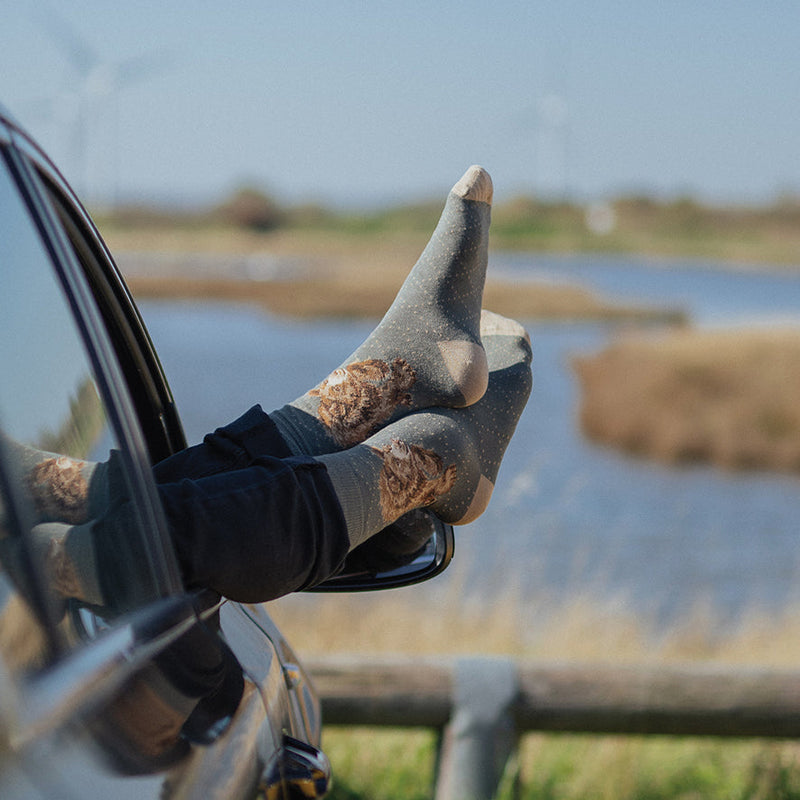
<point x="310" y="215"/>
<point x="251" y="208"/>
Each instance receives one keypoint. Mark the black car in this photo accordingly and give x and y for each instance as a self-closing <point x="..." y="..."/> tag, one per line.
<point x="163" y="692"/>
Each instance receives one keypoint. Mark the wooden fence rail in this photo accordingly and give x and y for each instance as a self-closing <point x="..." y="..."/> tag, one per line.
<point x="483" y="704"/>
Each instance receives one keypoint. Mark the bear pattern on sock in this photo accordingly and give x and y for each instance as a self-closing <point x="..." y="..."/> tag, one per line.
<point x="62" y="570"/>
<point x="355" y="400"/>
<point x="410" y="477"/>
<point x="59" y="489"/>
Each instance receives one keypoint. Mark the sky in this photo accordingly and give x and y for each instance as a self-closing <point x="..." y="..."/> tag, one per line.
<point x="353" y="104"/>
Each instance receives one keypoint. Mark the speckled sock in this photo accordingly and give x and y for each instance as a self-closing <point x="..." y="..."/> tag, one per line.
<point x="62" y="488"/>
<point x="425" y="352"/>
<point x="443" y="459"/>
<point x="67" y="552"/>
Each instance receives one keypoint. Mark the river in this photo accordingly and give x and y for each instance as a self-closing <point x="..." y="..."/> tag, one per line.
<point x="567" y="518"/>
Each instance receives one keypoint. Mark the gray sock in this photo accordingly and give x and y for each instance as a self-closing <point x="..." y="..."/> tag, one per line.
<point x="63" y="489"/>
<point x="67" y="552"/>
<point x="443" y="459"/>
<point x="425" y="352"/>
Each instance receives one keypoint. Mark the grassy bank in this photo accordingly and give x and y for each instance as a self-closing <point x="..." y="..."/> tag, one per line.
<point x="724" y="397"/>
<point x="681" y="228"/>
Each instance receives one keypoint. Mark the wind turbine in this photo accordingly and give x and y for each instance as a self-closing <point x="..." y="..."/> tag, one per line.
<point x="544" y="124"/>
<point x="552" y="166"/>
<point x="87" y="105"/>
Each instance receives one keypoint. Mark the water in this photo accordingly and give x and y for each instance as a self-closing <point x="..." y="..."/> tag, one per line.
<point x="710" y="293"/>
<point x="568" y="518"/>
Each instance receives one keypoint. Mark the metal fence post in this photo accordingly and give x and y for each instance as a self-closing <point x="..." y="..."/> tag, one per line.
<point x="481" y="734"/>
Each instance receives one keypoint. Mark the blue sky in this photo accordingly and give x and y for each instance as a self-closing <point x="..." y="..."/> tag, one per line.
<point x="355" y="103"/>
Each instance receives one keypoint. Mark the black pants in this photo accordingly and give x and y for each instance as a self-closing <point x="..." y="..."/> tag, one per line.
<point x="248" y="519"/>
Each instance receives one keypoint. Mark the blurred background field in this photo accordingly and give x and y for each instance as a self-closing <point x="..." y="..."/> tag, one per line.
<point x="682" y="227"/>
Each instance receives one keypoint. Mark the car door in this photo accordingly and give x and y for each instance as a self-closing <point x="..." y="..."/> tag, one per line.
<point x="113" y="681"/>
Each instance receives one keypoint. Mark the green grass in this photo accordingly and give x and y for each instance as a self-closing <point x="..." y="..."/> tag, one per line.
<point x="381" y="764"/>
<point x="657" y="768"/>
<point x="395" y="764"/>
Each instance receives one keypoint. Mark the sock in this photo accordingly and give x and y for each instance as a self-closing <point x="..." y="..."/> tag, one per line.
<point x="425" y="352"/>
<point x="62" y="488"/>
<point x="443" y="459"/>
<point x="67" y="552"/>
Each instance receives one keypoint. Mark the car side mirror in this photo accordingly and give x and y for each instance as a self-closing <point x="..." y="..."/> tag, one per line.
<point x="415" y="548"/>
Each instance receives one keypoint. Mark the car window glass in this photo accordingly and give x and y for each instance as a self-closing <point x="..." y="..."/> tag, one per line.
<point x="70" y="539"/>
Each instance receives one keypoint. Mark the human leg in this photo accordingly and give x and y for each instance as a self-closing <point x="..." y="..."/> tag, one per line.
<point x="61" y="488"/>
<point x="283" y="524"/>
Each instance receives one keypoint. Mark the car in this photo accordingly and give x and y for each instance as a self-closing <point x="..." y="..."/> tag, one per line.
<point x="119" y="682"/>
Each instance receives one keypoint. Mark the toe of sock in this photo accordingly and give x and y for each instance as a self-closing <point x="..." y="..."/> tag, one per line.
<point x="475" y="184"/>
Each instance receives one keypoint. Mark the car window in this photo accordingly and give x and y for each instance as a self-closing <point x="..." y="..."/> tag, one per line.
<point x="141" y="369"/>
<point x="71" y="539"/>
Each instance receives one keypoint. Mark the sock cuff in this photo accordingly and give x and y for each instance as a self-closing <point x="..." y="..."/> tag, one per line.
<point x="353" y="474"/>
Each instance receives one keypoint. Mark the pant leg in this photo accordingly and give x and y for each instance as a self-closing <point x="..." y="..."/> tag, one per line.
<point x="247" y="519"/>
<point x="231" y="447"/>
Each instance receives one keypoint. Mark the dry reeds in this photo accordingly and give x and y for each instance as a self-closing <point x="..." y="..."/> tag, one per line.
<point x="330" y="275"/>
<point x="582" y="629"/>
<point x="338" y="296"/>
<point x="725" y="397"/>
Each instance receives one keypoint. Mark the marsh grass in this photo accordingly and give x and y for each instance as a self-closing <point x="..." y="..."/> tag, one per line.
<point x="728" y="397"/>
<point x="402" y="622"/>
<point x="333" y="274"/>
<point x="332" y="294"/>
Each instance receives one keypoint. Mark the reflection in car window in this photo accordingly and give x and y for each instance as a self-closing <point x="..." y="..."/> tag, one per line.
<point x="69" y="536"/>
